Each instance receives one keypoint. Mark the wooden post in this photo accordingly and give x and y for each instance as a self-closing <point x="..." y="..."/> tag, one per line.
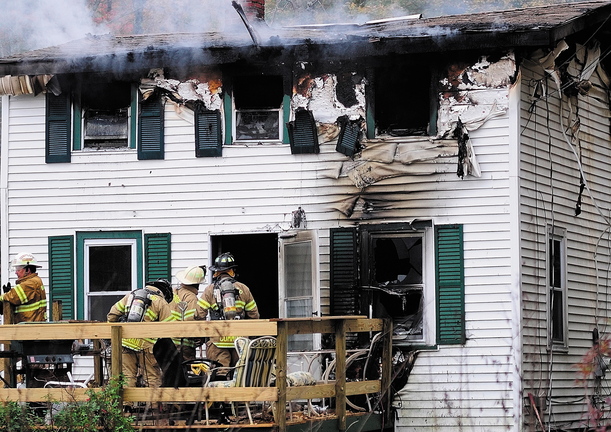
<point x="340" y="374"/>
<point x="98" y="370"/>
<point x="56" y="311"/>
<point x="282" y="341"/>
<point x="386" y="367"/>
<point x="117" y="350"/>
<point x="10" y="364"/>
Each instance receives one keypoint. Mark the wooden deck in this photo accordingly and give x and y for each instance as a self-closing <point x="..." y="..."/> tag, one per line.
<point x="338" y="420"/>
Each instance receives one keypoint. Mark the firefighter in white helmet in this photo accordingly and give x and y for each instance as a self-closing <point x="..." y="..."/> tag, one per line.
<point x="184" y="306"/>
<point x="28" y="296"/>
<point x="225" y="299"/>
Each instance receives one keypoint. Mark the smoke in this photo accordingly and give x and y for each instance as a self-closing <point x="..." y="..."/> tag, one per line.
<point x="31" y="24"/>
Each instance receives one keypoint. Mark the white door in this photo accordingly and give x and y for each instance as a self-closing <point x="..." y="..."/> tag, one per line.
<point x="298" y="283"/>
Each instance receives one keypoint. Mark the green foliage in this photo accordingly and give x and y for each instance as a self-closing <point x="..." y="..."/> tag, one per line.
<point x="103" y="411"/>
<point x="17" y="417"/>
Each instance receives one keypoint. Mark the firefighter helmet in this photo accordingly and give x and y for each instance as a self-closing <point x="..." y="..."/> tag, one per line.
<point x="165" y="287"/>
<point x="23" y="259"/>
<point x="223" y="262"/>
<point x="193" y="275"/>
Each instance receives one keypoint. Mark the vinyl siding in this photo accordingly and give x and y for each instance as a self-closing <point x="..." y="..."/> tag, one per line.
<point x="253" y="189"/>
<point x="548" y="195"/>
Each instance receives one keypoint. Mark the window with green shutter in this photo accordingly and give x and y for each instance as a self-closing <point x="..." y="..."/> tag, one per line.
<point x="58" y="128"/>
<point x="158" y="256"/>
<point x="449" y="263"/>
<point x="150" y="129"/>
<point x="61" y="273"/>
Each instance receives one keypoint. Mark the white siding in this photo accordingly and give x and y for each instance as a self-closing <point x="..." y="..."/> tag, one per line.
<point x="255" y="189"/>
<point x="549" y="192"/>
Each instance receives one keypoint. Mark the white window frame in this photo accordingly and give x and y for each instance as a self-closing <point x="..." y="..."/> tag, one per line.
<point x="556" y="234"/>
<point x="131" y="124"/>
<point x="293" y="238"/>
<point x="428" y="280"/>
<point x="279" y="111"/>
<point x="108" y="242"/>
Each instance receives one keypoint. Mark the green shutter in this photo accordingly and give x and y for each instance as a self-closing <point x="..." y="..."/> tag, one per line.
<point x="150" y="129"/>
<point x="208" y="136"/>
<point x="344" y="294"/>
<point x="449" y="262"/>
<point x="348" y="139"/>
<point x="57" y="133"/>
<point x="61" y="273"/>
<point x="157" y="255"/>
<point x="303" y="133"/>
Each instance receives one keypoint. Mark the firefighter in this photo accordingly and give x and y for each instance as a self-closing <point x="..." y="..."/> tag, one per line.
<point x="146" y="304"/>
<point x="28" y="295"/>
<point x="225" y="299"/>
<point x="184" y="306"/>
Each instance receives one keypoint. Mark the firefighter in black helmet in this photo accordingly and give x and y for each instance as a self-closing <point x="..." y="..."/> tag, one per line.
<point x="144" y="304"/>
<point x="225" y="299"/>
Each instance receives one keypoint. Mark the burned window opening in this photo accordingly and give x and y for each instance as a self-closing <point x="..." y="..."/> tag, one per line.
<point x="258" y="108"/>
<point x="395" y="269"/>
<point x="105" y="112"/>
<point x="402" y="99"/>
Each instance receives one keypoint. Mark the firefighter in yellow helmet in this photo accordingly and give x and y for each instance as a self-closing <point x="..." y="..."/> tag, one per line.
<point x="28" y="295"/>
<point x="144" y="304"/>
<point x="184" y="306"/>
<point x="225" y="298"/>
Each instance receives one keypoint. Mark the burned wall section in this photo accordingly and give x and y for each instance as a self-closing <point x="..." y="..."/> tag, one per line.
<point x="466" y="96"/>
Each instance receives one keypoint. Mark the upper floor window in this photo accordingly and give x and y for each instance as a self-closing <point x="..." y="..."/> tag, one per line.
<point x="556" y="266"/>
<point x="105" y="114"/>
<point x="402" y="99"/>
<point x="258" y="108"/>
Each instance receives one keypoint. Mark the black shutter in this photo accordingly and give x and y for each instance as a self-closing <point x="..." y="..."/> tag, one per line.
<point x="57" y="133"/>
<point x="449" y="263"/>
<point x="208" y="133"/>
<point x="158" y="256"/>
<point x="150" y="129"/>
<point x="303" y="135"/>
<point x="61" y="273"/>
<point x="348" y="140"/>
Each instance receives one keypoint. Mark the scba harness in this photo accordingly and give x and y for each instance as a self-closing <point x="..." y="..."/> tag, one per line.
<point x="225" y="295"/>
<point x="140" y="302"/>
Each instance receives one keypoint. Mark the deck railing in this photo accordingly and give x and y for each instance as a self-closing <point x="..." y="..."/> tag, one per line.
<point x="339" y="326"/>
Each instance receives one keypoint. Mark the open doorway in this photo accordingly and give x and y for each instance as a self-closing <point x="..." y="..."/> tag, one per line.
<point x="257" y="259"/>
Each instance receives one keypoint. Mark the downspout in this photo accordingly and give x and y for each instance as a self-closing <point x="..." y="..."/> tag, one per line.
<point x="4" y="143"/>
<point x="515" y="247"/>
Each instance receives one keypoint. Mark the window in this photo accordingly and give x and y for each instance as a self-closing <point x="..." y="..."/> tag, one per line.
<point x="556" y="265"/>
<point x="411" y="273"/>
<point x="110" y="274"/>
<point x="402" y="99"/>
<point x="396" y="275"/>
<point x="105" y="114"/>
<point x="101" y="115"/>
<point x="258" y="110"/>
<point x="108" y="265"/>
<point x="298" y="293"/>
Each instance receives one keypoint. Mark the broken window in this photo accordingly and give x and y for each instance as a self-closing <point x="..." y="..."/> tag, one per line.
<point x="402" y="94"/>
<point x="105" y="114"/>
<point x="396" y="274"/>
<point x="258" y="108"/>
<point x="556" y="265"/>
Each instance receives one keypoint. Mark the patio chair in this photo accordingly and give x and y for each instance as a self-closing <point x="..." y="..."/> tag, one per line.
<point x="256" y="361"/>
